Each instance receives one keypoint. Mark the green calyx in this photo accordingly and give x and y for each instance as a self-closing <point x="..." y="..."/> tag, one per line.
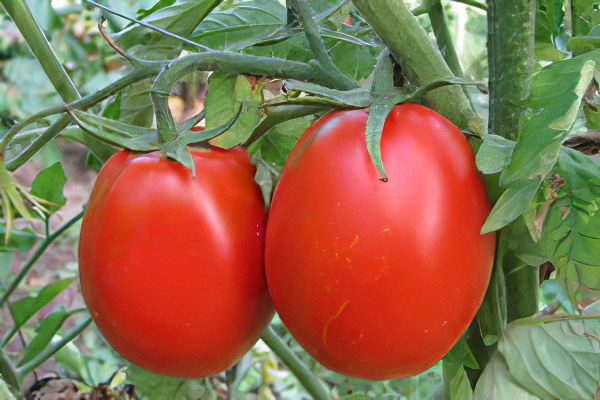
<point x="379" y="94"/>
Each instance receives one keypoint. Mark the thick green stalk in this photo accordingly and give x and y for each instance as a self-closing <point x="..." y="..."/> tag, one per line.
<point x="444" y="39"/>
<point x="53" y="348"/>
<point x="20" y="13"/>
<point x="420" y="58"/>
<point x="39" y="250"/>
<point x="511" y="59"/>
<point x="313" y="385"/>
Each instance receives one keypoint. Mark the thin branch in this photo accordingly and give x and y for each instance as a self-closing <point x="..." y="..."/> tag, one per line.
<point x="307" y="18"/>
<point x="140" y="73"/>
<point x="36" y="255"/>
<point x="444" y="39"/>
<point x="234" y="63"/>
<point x="149" y="26"/>
<point x="313" y="385"/>
<point x="53" y="349"/>
<point x="118" y="49"/>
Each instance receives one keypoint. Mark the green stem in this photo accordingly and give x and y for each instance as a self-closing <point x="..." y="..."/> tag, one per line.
<point x="444" y="39"/>
<point x="421" y="59"/>
<point x="53" y="349"/>
<point x="53" y="131"/>
<point x="424" y="9"/>
<point x="88" y="101"/>
<point x="20" y="13"/>
<point x="307" y="18"/>
<point x="149" y="26"/>
<point x="511" y="29"/>
<point x="234" y="63"/>
<point x="313" y="385"/>
<point x="511" y="60"/>
<point x="36" y="255"/>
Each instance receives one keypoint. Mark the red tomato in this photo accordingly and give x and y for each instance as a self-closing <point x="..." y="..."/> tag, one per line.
<point x="376" y="279"/>
<point x="172" y="267"/>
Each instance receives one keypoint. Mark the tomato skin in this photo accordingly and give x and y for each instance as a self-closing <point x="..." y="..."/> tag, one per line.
<point x="375" y="279"/>
<point x="172" y="267"/>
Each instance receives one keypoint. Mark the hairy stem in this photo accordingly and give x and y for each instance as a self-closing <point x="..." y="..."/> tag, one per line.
<point x="511" y="28"/>
<point x="511" y="31"/>
<point x="307" y="18"/>
<point x="53" y="131"/>
<point x="313" y="385"/>
<point x="421" y="59"/>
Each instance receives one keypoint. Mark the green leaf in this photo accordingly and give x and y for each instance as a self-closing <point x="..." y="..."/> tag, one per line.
<point x="512" y="203"/>
<point x="44" y="334"/>
<point x="225" y="94"/>
<point x="48" y="185"/>
<point x="456" y="382"/>
<point x="553" y="360"/>
<point x="25" y="308"/>
<point x="279" y="115"/>
<point x="571" y="232"/>
<point x="492" y="314"/>
<point x="461" y="354"/>
<point x="156" y="387"/>
<point x="378" y="113"/>
<point x="20" y="239"/>
<point x="583" y="44"/>
<point x="5" y="393"/>
<point x="278" y="142"/>
<point x="494" y="154"/>
<point x="117" y="133"/>
<point x="353" y="98"/>
<point x="549" y="29"/>
<point x="177" y="148"/>
<point x="554" y="292"/>
<point x="241" y="26"/>
<point x="587" y="16"/>
<point x="556" y="97"/>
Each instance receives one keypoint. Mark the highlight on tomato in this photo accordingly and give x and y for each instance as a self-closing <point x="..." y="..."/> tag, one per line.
<point x="376" y="279"/>
<point x="171" y="265"/>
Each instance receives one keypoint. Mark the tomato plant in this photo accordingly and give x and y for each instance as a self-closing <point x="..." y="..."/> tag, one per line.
<point x="165" y="257"/>
<point x="429" y="167"/>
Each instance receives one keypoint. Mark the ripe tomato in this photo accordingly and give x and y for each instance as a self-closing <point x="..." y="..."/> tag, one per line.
<point x="376" y="279"/>
<point x="171" y="266"/>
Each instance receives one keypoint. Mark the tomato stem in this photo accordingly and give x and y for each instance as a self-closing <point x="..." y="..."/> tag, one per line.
<point x="422" y="61"/>
<point x="313" y="384"/>
<point x="307" y="19"/>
